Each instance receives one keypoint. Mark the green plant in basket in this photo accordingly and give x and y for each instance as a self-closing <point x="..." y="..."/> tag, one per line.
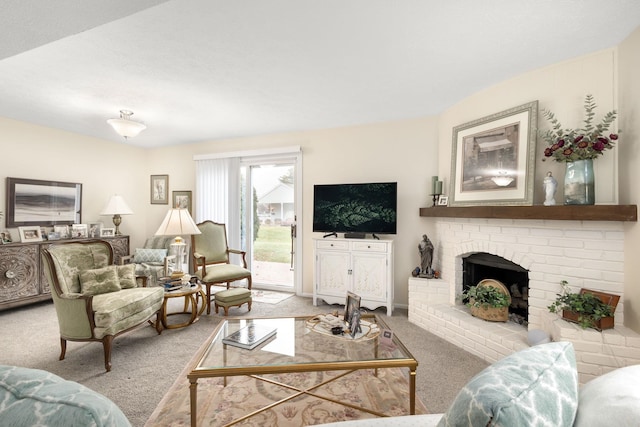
<point x="485" y="296"/>
<point x="588" y="306"/>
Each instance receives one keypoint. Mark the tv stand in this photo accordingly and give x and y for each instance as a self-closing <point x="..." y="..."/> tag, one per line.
<point x="330" y="234"/>
<point x="364" y="267"/>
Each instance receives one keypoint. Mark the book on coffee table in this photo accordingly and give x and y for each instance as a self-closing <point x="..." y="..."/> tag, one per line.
<point x="250" y="336"/>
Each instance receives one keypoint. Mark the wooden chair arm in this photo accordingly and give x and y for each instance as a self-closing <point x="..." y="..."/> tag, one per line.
<point x="238" y="252"/>
<point x="127" y="259"/>
<point x="197" y="259"/>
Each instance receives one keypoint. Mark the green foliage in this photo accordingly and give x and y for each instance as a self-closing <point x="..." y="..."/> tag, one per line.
<point x="273" y="245"/>
<point x="486" y="296"/>
<point x="588" y="142"/>
<point x="589" y="307"/>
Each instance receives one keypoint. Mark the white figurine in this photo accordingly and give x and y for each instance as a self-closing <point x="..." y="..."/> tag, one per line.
<point x="550" y="186"/>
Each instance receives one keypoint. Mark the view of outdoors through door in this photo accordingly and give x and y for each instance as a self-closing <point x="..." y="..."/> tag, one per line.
<point x="270" y="242"/>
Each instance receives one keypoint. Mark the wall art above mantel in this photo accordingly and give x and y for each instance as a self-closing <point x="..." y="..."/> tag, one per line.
<point x="33" y="202"/>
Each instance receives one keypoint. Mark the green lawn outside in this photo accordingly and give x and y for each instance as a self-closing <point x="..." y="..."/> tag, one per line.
<point x="273" y="244"/>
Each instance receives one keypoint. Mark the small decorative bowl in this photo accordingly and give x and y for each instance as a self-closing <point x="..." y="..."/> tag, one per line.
<point x="337" y="330"/>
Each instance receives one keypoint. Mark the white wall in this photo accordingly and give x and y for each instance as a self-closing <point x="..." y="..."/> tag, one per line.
<point x="629" y="171"/>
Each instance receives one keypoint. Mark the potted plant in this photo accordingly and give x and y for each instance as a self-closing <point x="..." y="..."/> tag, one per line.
<point x="489" y="300"/>
<point x="588" y="308"/>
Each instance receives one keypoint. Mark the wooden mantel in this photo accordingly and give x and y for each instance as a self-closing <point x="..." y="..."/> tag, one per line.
<point x="561" y="212"/>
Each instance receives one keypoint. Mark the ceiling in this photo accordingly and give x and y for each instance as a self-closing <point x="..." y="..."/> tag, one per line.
<point x="202" y="70"/>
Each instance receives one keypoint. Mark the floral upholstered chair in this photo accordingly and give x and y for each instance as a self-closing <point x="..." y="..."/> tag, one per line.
<point x="94" y="299"/>
<point x="155" y="259"/>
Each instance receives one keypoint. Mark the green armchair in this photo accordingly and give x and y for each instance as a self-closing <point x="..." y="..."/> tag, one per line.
<point x="94" y="299"/>
<point x="211" y="259"/>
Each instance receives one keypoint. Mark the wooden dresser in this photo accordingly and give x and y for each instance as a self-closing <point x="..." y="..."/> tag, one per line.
<point x="22" y="280"/>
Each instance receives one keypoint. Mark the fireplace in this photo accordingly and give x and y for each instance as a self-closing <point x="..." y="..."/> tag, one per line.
<point x="588" y="254"/>
<point x="482" y="265"/>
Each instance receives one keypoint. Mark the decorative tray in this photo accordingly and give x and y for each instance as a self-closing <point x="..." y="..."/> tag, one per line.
<point x="322" y="323"/>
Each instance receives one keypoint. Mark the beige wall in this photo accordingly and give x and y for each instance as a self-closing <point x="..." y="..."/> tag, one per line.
<point x="402" y="151"/>
<point x="630" y="171"/>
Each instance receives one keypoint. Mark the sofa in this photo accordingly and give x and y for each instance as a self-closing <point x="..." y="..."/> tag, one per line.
<point x="32" y="397"/>
<point x="537" y="386"/>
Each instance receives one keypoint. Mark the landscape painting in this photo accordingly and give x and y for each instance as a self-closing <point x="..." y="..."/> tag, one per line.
<point x="45" y="203"/>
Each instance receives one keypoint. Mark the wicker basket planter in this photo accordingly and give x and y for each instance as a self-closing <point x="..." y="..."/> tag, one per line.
<point x="486" y="312"/>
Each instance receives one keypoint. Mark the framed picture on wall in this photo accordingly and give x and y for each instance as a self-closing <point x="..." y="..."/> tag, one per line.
<point x="182" y="200"/>
<point x="159" y="189"/>
<point x="492" y="161"/>
<point x="36" y="202"/>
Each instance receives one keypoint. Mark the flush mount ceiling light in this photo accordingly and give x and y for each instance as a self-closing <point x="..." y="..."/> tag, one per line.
<point x="125" y="126"/>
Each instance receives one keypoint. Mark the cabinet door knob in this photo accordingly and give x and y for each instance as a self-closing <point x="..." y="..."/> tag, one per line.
<point x="9" y="274"/>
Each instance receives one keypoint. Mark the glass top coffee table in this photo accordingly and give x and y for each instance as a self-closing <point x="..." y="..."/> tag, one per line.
<point x="299" y="346"/>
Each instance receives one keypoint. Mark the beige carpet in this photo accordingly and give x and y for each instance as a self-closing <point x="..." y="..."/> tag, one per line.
<point x="269" y="297"/>
<point x="388" y="393"/>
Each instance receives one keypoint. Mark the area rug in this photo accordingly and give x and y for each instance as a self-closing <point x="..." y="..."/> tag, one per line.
<point x="387" y="393"/>
<point x="269" y="297"/>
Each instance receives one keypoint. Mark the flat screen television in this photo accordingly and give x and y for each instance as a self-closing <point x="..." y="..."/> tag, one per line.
<point x="355" y="208"/>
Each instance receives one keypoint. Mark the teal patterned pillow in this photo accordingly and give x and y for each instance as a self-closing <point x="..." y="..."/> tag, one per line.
<point x="537" y="386"/>
<point x="149" y="255"/>
<point x="127" y="276"/>
<point x="99" y="280"/>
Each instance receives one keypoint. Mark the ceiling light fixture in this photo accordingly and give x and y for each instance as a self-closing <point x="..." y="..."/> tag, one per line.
<point x="125" y="126"/>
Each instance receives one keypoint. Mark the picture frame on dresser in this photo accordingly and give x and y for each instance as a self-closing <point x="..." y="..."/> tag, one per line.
<point x="30" y="234"/>
<point x="62" y="230"/>
<point x="33" y="202"/>
<point x="79" y="231"/>
<point x="5" y="237"/>
<point x="107" y="232"/>
<point x="492" y="161"/>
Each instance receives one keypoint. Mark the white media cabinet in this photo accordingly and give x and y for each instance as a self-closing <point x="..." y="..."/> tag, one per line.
<point x="361" y="266"/>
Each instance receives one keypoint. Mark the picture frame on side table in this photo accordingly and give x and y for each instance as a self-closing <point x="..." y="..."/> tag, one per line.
<point x="79" y="231"/>
<point x="182" y="200"/>
<point x="159" y="189"/>
<point x="443" y="201"/>
<point x="37" y="202"/>
<point x="30" y="234"/>
<point x="107" y="232"/>
<point x="492" y="161"/>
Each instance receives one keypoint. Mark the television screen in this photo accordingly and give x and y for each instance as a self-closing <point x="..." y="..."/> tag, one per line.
<point x="355" y="208"/>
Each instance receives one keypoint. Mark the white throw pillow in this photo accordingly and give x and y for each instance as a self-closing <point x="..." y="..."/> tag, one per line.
<point x="612" y="399"/>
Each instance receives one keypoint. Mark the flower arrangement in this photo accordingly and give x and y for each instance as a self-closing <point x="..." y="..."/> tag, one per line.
<point x="589" y="142"/>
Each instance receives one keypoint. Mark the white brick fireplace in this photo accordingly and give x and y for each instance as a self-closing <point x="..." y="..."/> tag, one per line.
<point x="588" y="254"/>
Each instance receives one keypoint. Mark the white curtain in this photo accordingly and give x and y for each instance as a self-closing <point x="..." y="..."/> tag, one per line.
<point x="218" y="194"/>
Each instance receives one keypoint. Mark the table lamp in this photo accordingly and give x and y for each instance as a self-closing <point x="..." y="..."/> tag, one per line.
<point x="116" y="207"/>
<point x="178" y="223"/>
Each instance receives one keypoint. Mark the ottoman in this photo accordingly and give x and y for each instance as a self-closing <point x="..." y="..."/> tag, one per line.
<point x="233" y="297"/>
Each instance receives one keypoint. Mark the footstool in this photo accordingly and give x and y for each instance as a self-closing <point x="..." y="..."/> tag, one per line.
<point x="233" y="297"/>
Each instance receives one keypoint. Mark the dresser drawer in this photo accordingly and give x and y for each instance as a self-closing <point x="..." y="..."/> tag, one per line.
<point x="369" y="246"/>
<point x="332" y="244"/>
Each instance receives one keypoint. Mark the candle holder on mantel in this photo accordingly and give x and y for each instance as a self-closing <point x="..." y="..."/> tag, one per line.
<point x="435" y="199"/>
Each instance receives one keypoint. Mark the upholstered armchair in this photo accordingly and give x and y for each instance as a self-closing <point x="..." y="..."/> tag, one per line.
<point x="155" y="259"/>
<point x="211" y="258"/>
<point x="94" y="299"/>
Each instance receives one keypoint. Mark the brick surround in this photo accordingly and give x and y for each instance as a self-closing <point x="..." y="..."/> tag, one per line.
<point x="588" y="254"/>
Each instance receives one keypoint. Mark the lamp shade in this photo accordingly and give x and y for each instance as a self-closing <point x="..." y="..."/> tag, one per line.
<point x="177" y="222"/>
<point x="126" y="127"/>
<point x="116" y="206"/>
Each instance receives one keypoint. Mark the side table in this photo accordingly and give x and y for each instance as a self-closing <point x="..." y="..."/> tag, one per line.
<point x="190" y="294"/>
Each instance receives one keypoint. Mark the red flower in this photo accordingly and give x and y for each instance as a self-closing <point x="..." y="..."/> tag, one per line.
<point x="548" y="152"/>
<point x="560" y="143"/>
<point x="578" y="138"/>
<point x="583" y="144"/>
<point x="567" y="151"/>
<point x="605" y="141"/>
<point x="613" y="136"/>
<point x="598" y="145"/>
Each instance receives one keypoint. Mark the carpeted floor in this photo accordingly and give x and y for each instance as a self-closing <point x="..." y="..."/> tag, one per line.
<point x="145" y="364"/>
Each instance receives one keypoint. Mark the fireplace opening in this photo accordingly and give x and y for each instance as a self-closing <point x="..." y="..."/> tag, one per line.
<point x="480" y="266"/>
